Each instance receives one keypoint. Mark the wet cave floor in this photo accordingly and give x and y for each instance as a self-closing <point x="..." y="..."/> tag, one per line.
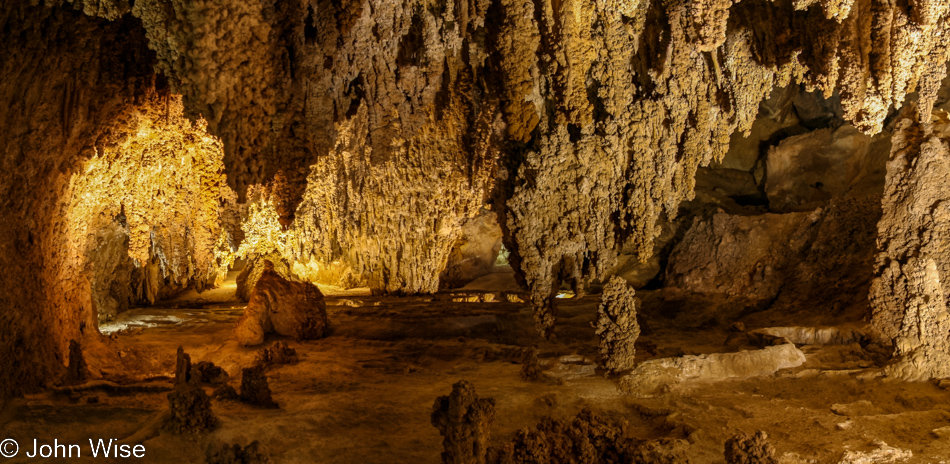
<point x="364" y="394"/>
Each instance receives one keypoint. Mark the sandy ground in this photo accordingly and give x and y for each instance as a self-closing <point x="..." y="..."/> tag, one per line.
<point x="364" y="394"/>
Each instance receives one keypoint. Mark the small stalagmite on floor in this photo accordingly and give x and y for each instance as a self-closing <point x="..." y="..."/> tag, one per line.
<point x="254" y="388"/>
<point x="294" y="309"/>
<point x="223" y="453"/>
<point x="617" y="325"/>
<point x="77" y="371"/>
<point x="190" y="406"/>
<point x="464" y="420"/>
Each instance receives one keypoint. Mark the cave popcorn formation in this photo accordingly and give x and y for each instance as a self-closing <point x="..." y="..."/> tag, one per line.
<point x="742" y="201"/>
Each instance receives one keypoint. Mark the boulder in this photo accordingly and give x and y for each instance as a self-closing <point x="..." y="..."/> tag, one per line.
<point x="807" y="171"/>
<point x="294" y="309"/>
<point x="737" y="255"/>
<point x="475" y="252"/>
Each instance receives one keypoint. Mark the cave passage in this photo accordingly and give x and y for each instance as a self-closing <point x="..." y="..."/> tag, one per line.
<point x="476" y="232"/>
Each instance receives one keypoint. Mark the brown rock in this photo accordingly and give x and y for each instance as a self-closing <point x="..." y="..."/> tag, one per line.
<point x="464" y="420"/>
<point x="182" y="368"/>
<point x="278" y="353"/>
<point x="530" y="369"/>
<point x="207" y="372"/>
<point x="76" y="371"/>
<point x="190" y="411"/>
<point x="189" y="405"/>
<point x="255" y="389"/>
<point x="807" y="171"/>
<point x="294" y="309"/>
<point x="222" y="453"/>
<point x="745" y="449"/>
<point x="617" y="325"/>
<point x="588" y="437"/>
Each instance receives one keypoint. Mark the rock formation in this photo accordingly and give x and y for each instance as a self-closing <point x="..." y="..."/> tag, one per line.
<point x="475" y="252"/>
<point x="617" y="325"/>
<point x="746" y="449"/>
<point x="380" y="126"/>
<point x="464" y="420"/>
<point x="294" y="309"/>
<point x="530" y="368"/>
<point x="909" y="294"/>
<point x="77" y="371"/>
<point x="209" y="373"/>
<point x="222" y="453"/>
<point x="587" y="437"/>
<point x="189" y="405"/>
<point x="255" y="389"/>
<point x="278" y="353"/>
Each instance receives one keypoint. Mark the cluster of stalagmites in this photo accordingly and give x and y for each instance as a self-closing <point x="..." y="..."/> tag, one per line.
<point x="464" y="420"/>
<point x="190" y="409"/>
<point x="189" y="405"/>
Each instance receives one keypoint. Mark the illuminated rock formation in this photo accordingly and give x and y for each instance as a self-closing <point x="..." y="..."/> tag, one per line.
<point x="294" y="309"/>
<point x="151" y="208"/>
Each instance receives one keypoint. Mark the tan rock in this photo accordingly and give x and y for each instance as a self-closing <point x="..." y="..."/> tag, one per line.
<point x="806" y="171"/>
<point x="294" y="309"/>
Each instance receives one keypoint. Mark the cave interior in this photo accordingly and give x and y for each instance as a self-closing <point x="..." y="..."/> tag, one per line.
<point x="475" y="231"/>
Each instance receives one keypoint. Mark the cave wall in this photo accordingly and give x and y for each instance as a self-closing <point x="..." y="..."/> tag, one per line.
<point x="912" y="272"/>
<point x="69" y="83"/>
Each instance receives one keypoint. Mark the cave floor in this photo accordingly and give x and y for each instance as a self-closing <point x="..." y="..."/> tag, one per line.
<point x="364" y="393"/>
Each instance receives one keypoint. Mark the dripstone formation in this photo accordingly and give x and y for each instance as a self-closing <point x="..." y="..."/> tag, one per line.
<point x="378" y="128"/>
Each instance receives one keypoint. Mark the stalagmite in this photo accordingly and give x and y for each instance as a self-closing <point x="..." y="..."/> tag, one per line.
<point x="464" y="420"/>
<point x="617" y="325"/>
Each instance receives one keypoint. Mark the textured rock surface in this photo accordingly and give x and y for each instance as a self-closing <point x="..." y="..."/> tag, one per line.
<point x="745" y="449"/>
<point x="276" y="354"/>
<point x="909" y="292"/>
<point x="587" y="437"/>
<point x="382" y="125"/>
<point x="475" y="253"/>
<point x="464" y="420"/>
<point x="223" y="453"/>
<point x="652" y="375"/>
<point x="739" y="255"/>
<point x="294" y="309"/>
<point x="255" y="389"/>
<point x="146" y="214"/>
<point x="189" y="405"/>
<point x="808" y="170"/>
<point x="793" y="261"/>
<point x="69" y="86"/>
<point x="617" y="325"/>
